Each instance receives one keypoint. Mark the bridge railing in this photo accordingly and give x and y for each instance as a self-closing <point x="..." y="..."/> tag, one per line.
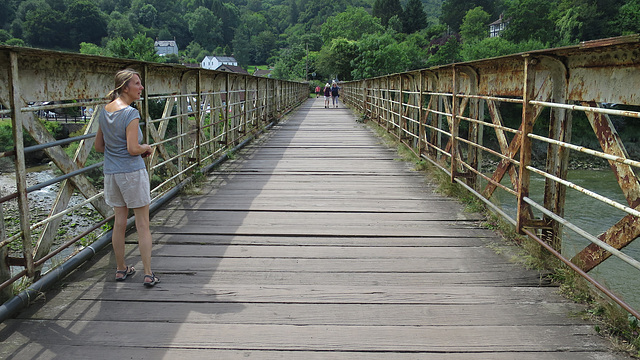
<point x="193" y="117"/>
<point x="502" y="128"/>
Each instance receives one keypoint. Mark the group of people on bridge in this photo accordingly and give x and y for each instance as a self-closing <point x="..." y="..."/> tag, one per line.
<point x="330" y="92"/>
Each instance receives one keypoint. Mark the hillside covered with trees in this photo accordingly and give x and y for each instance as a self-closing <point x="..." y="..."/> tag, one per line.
<point x="344" y="39"/>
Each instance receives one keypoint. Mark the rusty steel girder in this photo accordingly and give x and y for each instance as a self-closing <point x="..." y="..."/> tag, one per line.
<point x="591" y="73"/>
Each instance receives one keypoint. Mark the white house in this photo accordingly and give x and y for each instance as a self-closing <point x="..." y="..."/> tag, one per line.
<point x="214" y="62"/>
<point x="498" y="26"/>
<point x="166" y="47"/>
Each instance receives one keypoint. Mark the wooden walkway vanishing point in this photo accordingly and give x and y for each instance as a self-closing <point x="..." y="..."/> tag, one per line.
<point x="314" y="243"/>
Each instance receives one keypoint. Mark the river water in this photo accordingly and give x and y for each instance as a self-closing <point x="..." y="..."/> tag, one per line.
<point x="594" y="217"/>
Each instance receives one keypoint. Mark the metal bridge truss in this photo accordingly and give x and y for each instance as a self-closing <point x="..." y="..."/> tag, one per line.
<point x="205" y="115"/>
<point x="444" y="113"/>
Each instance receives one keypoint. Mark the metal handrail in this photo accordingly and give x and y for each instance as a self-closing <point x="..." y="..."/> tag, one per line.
<point x="443" y="122"/>
<point x="200" y="141"/>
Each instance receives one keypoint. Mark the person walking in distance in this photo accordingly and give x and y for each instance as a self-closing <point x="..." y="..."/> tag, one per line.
<point x="317" y="91"/>
<point x="327" y="95"/>
<point x="126" y="181"/>
<point x="335" y="93"/>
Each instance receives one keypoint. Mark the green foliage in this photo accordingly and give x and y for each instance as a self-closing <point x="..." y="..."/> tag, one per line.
<point x="474" y="25"/>
<point x="628" y="20"/>
<point x="413" y="17"/>
<point x="382" y="54"/>
<point x="44" y="27"/>
<point x="119" y="26"/>
<point x="205" y="27"/>
<point x="386" y="9"/>
<point x="335" y="60"/>
<point x="446" y="54"/>
<point x="4" y="36"/>
<point x="84" y="22"/>
<point x="453" y="11"/>
<point x="496" y="46"/>
<point x="351" y="24"/>
<point x="275" y="31"/>
<point x="139" y="48"/>
<point x="6" y="134"/>
<point x="15" y="42"/>
<point x="530" y="19"/>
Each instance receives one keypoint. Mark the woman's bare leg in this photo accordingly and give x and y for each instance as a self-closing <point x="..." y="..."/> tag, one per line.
<point x="144" y="237"/>
<point x="117" y="236"/>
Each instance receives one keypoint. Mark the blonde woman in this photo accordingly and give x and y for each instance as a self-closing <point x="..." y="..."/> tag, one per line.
<point x="126" y="182"/>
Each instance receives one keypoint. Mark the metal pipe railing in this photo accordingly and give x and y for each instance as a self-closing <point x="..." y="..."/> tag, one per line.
<point x="235" y="115"/>
<point x="455" y="142"/>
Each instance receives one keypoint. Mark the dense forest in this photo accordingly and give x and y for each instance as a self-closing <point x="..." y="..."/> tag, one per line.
<point x="344" y="39"/>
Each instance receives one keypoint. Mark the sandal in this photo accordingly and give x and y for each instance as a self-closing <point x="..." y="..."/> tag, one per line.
<point x="154" y="280"/>
<point x="129" y="271"/>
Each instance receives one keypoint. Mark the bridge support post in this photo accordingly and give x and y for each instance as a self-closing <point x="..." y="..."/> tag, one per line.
<point x="528" y="118"/>
<point x="16" y="104"/>
<point x="421" y="117"/>
<point x="454" y="125"/>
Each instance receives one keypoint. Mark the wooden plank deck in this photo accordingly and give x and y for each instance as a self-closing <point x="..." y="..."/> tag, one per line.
<point x="315" y="243"/>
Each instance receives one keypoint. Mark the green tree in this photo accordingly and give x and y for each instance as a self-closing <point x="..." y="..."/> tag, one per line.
<point x="628" y="20"/>
<point x="452" y="11"/>
<point x="413" y="17"/>
<point x="172" y="59"/>
<point x="381" y="54"/>
<point x="474" y="25"/>
<point x="30" y="5"/>
<point x="92" y="49"/>
<point x="139" y="48"/>
<point x="385" y="9"/>
<point x="395" y="24"/>
<point x="335" y="59"/>
<point x="351" y="24"/>
<point x="262" y="45"/>
<point x="290" y="64"/>
<point x="530" y="19"/>
<point x="497" y="46"/>
<point x="45" y="28"/>
<point x="119" y="26"/>
<point x="448" y="53"/>
<point x="230" y="16"/>
<point x="148" y="16"/>
<point x="205" y="27"/>
<point x="7" y="12"/>
<point x="85" y="22"/>
<point x="4" y="36"/>
<point x="15" y="42"/>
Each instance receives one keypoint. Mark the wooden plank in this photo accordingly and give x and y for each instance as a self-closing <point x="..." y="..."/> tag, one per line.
<point x="309" y="314"/>
<point x="238" y="239"/>
<point x="325" y="252"/>
<point x="158" y="352"/>
<point x="305" y="294"/>
<point x="313" y="337"/>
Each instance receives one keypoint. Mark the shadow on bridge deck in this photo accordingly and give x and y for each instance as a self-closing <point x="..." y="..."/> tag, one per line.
<point x="314" y="243"/>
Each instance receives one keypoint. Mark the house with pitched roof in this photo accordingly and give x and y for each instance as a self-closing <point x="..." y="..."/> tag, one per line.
<point x="214" y="62"/>
<point x="498" y="26"/>
<point x="166" y="47"/>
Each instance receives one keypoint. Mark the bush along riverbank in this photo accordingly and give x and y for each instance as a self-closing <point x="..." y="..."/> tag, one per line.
<point x="611" y="321"/>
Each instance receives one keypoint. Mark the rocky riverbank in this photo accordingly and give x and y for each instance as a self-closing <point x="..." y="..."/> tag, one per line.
<point x="40" y="204"/>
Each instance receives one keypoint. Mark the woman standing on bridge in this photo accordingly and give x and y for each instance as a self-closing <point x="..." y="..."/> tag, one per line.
<point x="126" y="181"/>
<point x="327" y="95"/>
<point x="335" y="93"/>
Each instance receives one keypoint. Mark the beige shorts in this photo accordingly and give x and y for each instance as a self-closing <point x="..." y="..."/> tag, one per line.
<point x="127" y="189"/>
